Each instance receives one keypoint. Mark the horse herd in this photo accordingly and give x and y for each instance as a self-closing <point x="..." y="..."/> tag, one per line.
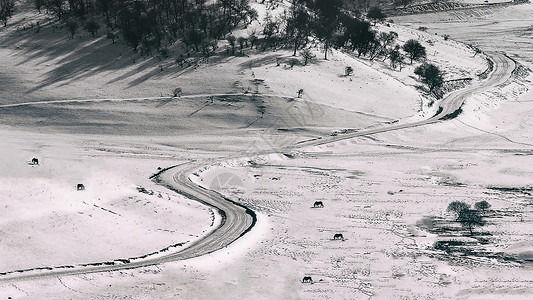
<point x="317" y="204"/>
<point x="336" y="236"/>
<point x="35" y="162"/>
<point x="320" y="204"/>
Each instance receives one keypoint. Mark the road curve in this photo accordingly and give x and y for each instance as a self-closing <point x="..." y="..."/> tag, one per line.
<point x="237" y="219"/>
<point x="450" y="105"/>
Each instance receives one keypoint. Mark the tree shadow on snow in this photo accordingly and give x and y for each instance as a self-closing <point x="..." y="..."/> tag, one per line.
<point x="83" y="56"/>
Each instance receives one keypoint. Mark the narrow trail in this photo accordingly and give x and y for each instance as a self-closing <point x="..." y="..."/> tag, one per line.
<point x="237" y="220"/>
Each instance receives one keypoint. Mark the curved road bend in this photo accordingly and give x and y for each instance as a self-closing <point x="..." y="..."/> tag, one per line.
<point x="237" y="219"/>
<point x="451" y="104"/>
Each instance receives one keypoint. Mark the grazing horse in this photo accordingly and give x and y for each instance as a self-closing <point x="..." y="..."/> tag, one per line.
<point x="318" y="204"/>
<point x="338" y="236"/>
<point x="307" y="279"/>
<point x="34" y="161"/>
<point x="80" y="187"/>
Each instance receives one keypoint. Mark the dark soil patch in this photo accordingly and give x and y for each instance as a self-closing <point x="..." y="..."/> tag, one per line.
<point x="521" y="190"/>
<point x="456" y="245"/>
<point x="453" y="114"/>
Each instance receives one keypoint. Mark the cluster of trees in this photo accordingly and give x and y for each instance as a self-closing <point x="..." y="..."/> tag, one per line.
<point x="468" y="217"/>
<point x="328" y="22"/>
<point x="335" y="28"/>
<point x="153" y="24"/>
<point x="7" y="9"/>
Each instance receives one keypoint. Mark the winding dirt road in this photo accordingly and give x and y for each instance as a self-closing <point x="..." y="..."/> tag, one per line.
<point x="448" y="107"/>
<point x="237" y="219"/>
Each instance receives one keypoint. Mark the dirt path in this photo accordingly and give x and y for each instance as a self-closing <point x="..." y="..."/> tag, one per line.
<point x="237" y="219"/>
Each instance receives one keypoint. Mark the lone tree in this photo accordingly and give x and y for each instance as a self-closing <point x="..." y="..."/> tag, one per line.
<point x="112" y="36"/>
<point x="72" y="27"/>
<point x="307" y="55"/>
<point x="92" y="27"/>
<point x="298" y="27"/>
<point x="242" y="41"/>
<point x="457" y="207"/>
<point x="194" y="37"/>
<point x="396" y="58"/>
<point x="414" y="50"/>
<point x="326" y="24"/>
<point x="482" y="206"/>
<point x="431" y="75"/>
<point x="176" y="92"/>
<point x="293" y="62"/>
<point x="231" y="40"/>
<point x="375" y="14"/>
<point x="7" y="9"/>
<point x="348" y="71"/>
<point x="470" y="218"/>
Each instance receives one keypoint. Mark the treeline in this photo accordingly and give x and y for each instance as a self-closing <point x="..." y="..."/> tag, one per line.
<point x="148" y="25"/>
<point x="153" y="24"/>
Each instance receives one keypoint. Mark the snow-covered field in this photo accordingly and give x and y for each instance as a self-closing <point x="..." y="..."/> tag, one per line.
<point x="47" y="222"/>
<point x="378" y="191"/>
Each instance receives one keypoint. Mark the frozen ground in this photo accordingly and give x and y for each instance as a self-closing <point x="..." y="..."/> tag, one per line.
<point x="377" y="191"/>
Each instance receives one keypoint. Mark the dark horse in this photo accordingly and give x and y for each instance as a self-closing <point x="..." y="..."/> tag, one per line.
<point x="80" y="187"/>
<point x="34" y="161"/>
<point x="318" y="204"/>
<point x="307" y="279"/>
<point x="338" y="236"/>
